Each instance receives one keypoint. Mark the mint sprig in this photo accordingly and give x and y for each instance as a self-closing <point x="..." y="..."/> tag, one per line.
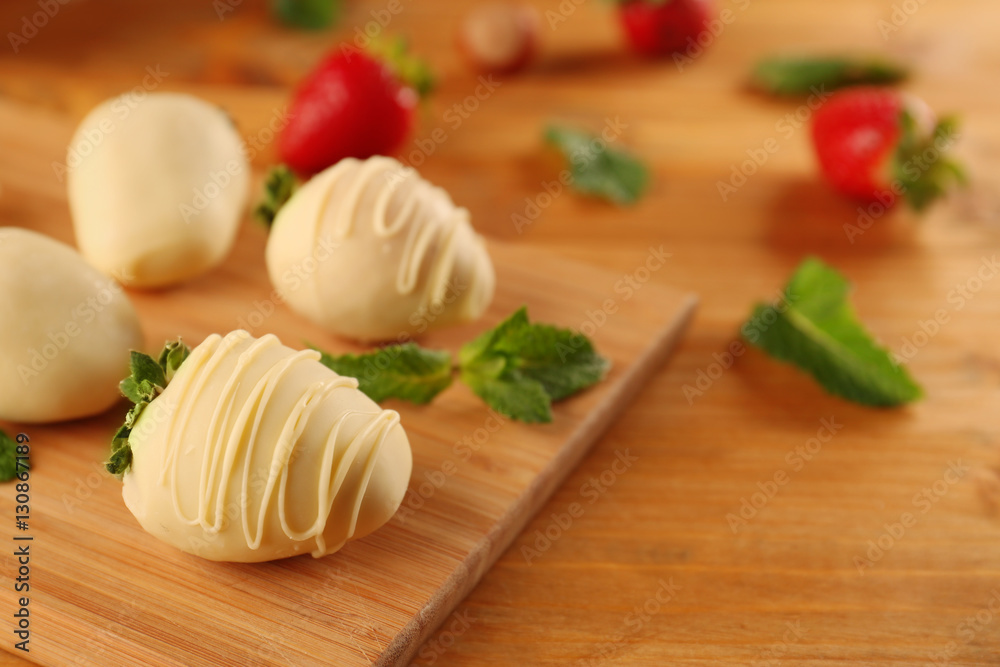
<point x="805" y="75"/>
<point x="147" y="379"/>
<point x="817" y="330"/>
<point x="518" y="368"/>
<point x="8" y="457"/>
<point x="597" y="169"/>
<point x="408" y="372"/>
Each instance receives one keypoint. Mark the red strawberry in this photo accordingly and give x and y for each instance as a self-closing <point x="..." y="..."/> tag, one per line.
<point x="877" y="144"/>
<point x="661" y="27"/>
<point x="354" y="104"/>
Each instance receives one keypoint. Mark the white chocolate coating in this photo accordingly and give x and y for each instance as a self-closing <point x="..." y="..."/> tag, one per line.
<point x="256" y="452"/>
<point x="65" y="332"/>
<point x="157" y="187"/>
<point x="371" y="251"/>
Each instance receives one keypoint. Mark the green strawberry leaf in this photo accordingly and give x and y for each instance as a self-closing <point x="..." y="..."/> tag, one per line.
<point x="805" y="75"/>
<point x="610" y="173"/>
<point x="407" y="372"/>
<point x="148" y="378"/>
<point x="279" y="186"/>
<point x="922" y="165"/>
<point x="818" y="331"/>
<point x="411" y="70"/>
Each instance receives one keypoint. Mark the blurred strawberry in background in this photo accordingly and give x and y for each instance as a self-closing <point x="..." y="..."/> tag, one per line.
<point x="661" y="27"/>
<point x="878" y="145"/>
<point x="500" y="37"/>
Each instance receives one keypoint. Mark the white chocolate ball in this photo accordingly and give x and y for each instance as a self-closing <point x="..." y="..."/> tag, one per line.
<point x="370" y="250"/>
<point x="256" y="452"/>
<point x="157" y="187"/>
<point x="65" y="332"/>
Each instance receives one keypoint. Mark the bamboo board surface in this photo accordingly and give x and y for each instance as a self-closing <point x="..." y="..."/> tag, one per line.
<point x="793" y="564"/>
<point x="105" y="593"/>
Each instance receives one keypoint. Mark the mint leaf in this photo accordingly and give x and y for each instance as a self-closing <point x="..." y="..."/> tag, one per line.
<point x="802" y="76"/>
<point x="818" y="331"/>
<point x="148" y="378"/>
<point x="279" y="186"/>
<point x="408" y="372"/>
<point x="308" y="14"/>
<point x="610" y="173"/>
<point x="8" y="457"/>
<point x="519" y="368"/>
<point x="513" y="395"/>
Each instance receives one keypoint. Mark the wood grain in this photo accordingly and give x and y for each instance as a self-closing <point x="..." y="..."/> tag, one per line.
<point x="665" y="519"/>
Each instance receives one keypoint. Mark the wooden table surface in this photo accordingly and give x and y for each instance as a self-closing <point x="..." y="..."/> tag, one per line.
<point x="654" y="573"/>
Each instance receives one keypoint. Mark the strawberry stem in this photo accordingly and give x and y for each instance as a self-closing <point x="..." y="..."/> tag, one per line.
<point x="922" y="165"/>
<point x="279" y="186"/>
<point x="411" y="70"/>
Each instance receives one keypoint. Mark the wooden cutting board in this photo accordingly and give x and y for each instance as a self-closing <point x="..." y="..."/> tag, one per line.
<point x="103" y="592"/>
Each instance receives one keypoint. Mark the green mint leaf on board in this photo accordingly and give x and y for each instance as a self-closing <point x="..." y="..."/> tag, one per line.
<point x="279" y="186"/>
<point x="407" y="372"/>
<point x="308" y="14"/>
<point x="148" y="378"/>
<point x="8" y="457"/>
<point x="512" y="395"/>
<point x="922" y="165"/>
<point x="804" y="75"/>
<point x="610" y="173"/>
<point x="817" y="330"/>
<point x="520" y="368"/>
